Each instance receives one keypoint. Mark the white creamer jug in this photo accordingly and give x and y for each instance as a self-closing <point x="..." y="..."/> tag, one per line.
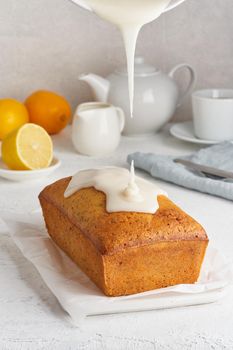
<point x="96" y="128"/>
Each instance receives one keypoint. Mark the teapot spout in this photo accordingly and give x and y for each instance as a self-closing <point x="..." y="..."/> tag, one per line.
<point x="99" y="86"/>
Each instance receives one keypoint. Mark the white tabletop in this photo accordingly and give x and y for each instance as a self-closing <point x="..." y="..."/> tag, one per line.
<point x="31" y="317"/>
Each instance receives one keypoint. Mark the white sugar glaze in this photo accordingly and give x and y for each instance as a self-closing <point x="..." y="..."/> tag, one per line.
<point x="129" y="16"/>
<point x="124" y="191"/>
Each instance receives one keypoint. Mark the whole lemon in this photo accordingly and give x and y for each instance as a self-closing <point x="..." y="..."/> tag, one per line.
<point x="13" y="114"/>
<point x="48" y="110"/>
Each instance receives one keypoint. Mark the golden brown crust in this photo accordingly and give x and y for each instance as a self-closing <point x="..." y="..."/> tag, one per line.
<point x="160" y="265"/>
<point x="114" y="232"/>
<point x="124" y="253"/>
<point x="71" y="240"/>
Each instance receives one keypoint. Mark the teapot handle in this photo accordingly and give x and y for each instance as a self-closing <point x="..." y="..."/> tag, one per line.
<point x="173" y="4"/>
<point x="191" y="82"/>
<point x="121" y="116"/>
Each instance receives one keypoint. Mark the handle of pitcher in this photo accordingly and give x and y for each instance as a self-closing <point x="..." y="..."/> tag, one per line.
<point x="173" y="4"/>
<point x="121" y="116"/>
<point x="191" y="84"/>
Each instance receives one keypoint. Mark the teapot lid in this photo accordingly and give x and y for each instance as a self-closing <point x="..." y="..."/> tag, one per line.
<point x="141" y="68"/>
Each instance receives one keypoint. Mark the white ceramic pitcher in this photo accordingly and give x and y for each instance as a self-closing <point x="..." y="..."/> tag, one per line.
<point x="172" y="4"/>
<point x="96" y="128"/>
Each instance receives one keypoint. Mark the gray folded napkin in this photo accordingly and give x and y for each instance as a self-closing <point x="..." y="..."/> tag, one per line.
<point x="163" y="167"/>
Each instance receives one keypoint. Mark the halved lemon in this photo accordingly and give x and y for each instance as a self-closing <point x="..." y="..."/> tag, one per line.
<point x="27" y="148"/>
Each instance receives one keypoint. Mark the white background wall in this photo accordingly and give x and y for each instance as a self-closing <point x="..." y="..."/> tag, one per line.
<point x="48" y="43"/>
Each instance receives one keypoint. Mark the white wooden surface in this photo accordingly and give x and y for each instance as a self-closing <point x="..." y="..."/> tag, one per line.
<point x="30" y="316"/>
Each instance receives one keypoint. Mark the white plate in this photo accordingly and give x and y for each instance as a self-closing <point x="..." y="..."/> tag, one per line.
<point x="27" y="175"/>
<point x="185" y="131"/>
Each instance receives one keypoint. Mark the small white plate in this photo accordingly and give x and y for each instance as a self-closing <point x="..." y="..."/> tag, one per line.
<point x="185" y="131"/>
<point x="26" y="175"/>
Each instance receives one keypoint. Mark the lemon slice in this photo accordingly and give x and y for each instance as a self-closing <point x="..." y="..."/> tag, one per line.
<point x="28" y="148"/>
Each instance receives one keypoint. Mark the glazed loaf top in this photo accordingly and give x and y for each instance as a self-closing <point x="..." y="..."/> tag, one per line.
<point x="112" y="232"/>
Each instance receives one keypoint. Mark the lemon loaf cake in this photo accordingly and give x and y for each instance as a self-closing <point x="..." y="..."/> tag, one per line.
<point x="124" y="252"/>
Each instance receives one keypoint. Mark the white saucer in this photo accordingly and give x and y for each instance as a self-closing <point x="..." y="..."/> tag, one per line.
<point x="27" y="175"/>
<point x="185" y="131"/>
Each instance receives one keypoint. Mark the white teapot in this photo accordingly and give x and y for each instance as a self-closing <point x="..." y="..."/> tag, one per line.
<point x="156" y="95"/>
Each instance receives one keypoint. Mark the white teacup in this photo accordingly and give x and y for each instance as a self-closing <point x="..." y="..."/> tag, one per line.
<point x="96" y="128"/>
<point x="213" y="114"/>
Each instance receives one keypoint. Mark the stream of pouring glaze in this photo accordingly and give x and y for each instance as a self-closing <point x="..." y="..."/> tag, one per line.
<point x="124" y="191"/>
<point x="129" y="16"/>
